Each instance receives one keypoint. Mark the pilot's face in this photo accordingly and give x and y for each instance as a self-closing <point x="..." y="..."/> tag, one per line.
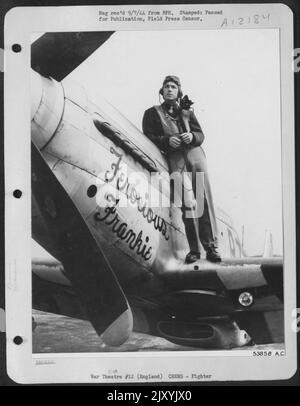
<point x="170" y="92"/>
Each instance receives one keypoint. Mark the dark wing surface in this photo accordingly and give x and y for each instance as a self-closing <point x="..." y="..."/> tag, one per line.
<point x="58" y="54"/>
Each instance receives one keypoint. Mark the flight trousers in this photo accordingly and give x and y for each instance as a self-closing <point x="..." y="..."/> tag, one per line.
<point x="198" y="214"/>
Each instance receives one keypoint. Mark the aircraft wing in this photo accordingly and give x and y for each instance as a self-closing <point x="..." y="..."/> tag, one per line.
<point x="58" y="54"/>
<point x="204" y="297"/>
<point x="53" y="292"/>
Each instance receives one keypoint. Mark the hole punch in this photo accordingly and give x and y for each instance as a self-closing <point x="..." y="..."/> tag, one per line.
<point x="18" y="340"/>
<point x="16" y="48"/>
<point x="17" y="193"/>
<point x="92" y="191"/>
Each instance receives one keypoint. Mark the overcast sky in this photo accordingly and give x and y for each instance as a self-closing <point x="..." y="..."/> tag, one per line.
<point x="233" y="76"/>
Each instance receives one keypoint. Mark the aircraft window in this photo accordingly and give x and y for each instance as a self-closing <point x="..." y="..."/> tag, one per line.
<point x="92" y="190"/>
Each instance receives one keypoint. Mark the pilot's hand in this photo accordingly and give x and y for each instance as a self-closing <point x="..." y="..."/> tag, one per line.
<point x="174" y="142"/>
<point x="186" y="138"/>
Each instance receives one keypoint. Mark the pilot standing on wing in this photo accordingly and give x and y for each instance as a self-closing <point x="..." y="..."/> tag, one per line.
<point x="173" y="127"/>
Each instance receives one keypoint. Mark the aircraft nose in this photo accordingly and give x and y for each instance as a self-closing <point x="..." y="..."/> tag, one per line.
<point x="47" y="104"/>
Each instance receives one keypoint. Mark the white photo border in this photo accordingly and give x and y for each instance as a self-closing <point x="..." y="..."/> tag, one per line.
<point x="22" y="365"/>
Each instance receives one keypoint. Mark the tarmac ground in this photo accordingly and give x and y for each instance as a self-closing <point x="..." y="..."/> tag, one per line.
<point x="60" y="334"/>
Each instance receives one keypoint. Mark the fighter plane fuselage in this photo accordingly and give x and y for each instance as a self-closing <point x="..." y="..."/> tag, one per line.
<point x="114" y="192"/>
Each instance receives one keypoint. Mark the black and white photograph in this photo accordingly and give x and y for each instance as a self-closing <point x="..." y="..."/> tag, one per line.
<point x="158" y="204"/>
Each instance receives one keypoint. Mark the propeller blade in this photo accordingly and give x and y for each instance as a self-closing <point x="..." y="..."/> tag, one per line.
<point x="85" y="264"/>
<point x="58" y="54"/>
